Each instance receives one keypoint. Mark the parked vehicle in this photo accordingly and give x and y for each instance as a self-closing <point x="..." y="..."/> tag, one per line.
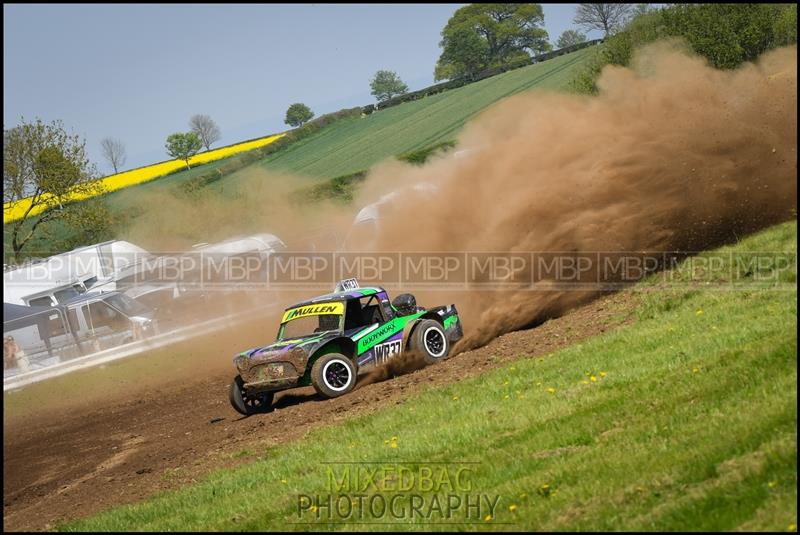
<point x="367" y="223"/>
<point x="85" y="324"/>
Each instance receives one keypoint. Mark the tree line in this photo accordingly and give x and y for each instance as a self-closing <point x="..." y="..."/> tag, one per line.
<point x="482" y="36"/>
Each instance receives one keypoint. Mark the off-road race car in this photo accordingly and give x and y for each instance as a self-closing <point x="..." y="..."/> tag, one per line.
<point x="328" y="340"/>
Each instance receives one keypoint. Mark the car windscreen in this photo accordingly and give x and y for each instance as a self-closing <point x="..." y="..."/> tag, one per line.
<point x="311" y="319"/>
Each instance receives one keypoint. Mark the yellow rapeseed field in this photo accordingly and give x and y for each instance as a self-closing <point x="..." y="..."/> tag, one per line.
<point x="15" y="210"/>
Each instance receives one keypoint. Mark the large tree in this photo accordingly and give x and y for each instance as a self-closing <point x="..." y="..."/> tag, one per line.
<point x="114" y="152"/>
<point x="297" y="114"/>
<point x="205" y="127"/>
<point x="570" y="38"/>
<point x="386" y="84"/>
<point x="606" y="17"/>
<point x="479" y="36"/>
<point x="183" y="146"/>
<point x="44" y="168"/>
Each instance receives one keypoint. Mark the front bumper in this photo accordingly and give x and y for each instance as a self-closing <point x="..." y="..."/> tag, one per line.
<point x="271" y="376"/>
<point x="272" y="370"/>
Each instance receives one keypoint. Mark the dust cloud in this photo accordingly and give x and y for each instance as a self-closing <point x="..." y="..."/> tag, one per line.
<point x="672" y="155"/>
<point x="406" y="362"/>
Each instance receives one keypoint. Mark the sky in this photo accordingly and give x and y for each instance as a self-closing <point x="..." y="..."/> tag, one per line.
<point x="139" y="72"/>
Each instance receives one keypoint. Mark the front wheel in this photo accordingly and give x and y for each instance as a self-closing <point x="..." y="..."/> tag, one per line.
<point x="248" y="403"/>
<point x="333" y="375"/>
<point x="430" y="340"/>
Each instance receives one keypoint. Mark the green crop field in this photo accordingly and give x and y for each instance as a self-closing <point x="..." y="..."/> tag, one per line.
<point x="684" y="420"/>
<point x="356" y="144"/>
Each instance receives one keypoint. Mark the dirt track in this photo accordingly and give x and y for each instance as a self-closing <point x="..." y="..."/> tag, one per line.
<point x="60" y="466"/>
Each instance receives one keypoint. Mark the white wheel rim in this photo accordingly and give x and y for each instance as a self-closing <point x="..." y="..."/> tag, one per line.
<point x="325" y="375"/>
<point x="427" y="347"/>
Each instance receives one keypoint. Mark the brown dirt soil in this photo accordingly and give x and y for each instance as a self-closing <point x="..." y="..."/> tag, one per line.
<point x="61" y="465"/>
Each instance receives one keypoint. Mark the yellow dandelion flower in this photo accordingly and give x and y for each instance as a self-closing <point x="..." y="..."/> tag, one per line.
<point x="505" y="382"/>
<point x="455" y="398"/>
<point x="772" y="484"/>
<point x="283" y="481"/>
<point x="585" y="382"/>
<point x="487" y="518"/>
<point x="699" y="312"/>
<point x="695" y="370"/>
<point x="512" y="507"/>
<point x="386" y="441"/>
<point x="506" y="396"/>
<point x="394" y="439"/>
<point x="393" y="445"/>
<point x="602" y="374"/>
<point x="313" y="508"/>
<point x="593" y="379"/>
<point x="551" y="390"/>
<point x="792" y="527"/>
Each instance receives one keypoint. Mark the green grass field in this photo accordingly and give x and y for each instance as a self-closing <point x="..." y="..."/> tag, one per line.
<point x="685" y="420"/>
<point x="357" y="144"/>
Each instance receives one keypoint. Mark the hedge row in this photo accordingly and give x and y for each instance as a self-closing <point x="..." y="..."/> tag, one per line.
<point x="487" y="73"/>
<point x="725" y="34"/>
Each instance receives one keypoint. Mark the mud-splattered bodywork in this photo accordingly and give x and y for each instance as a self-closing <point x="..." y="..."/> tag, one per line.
<point x="287" y="363"/>
<point x="280" y="365"/>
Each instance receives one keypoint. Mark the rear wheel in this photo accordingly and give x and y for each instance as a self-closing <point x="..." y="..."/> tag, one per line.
<point x="248" y="403"/>
<point x="430" y="340"/>
<point x="333" y="375"/>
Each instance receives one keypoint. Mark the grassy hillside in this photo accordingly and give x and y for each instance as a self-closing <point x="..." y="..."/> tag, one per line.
<point x="357" y="144"/>
<point x="684" y="420"/>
